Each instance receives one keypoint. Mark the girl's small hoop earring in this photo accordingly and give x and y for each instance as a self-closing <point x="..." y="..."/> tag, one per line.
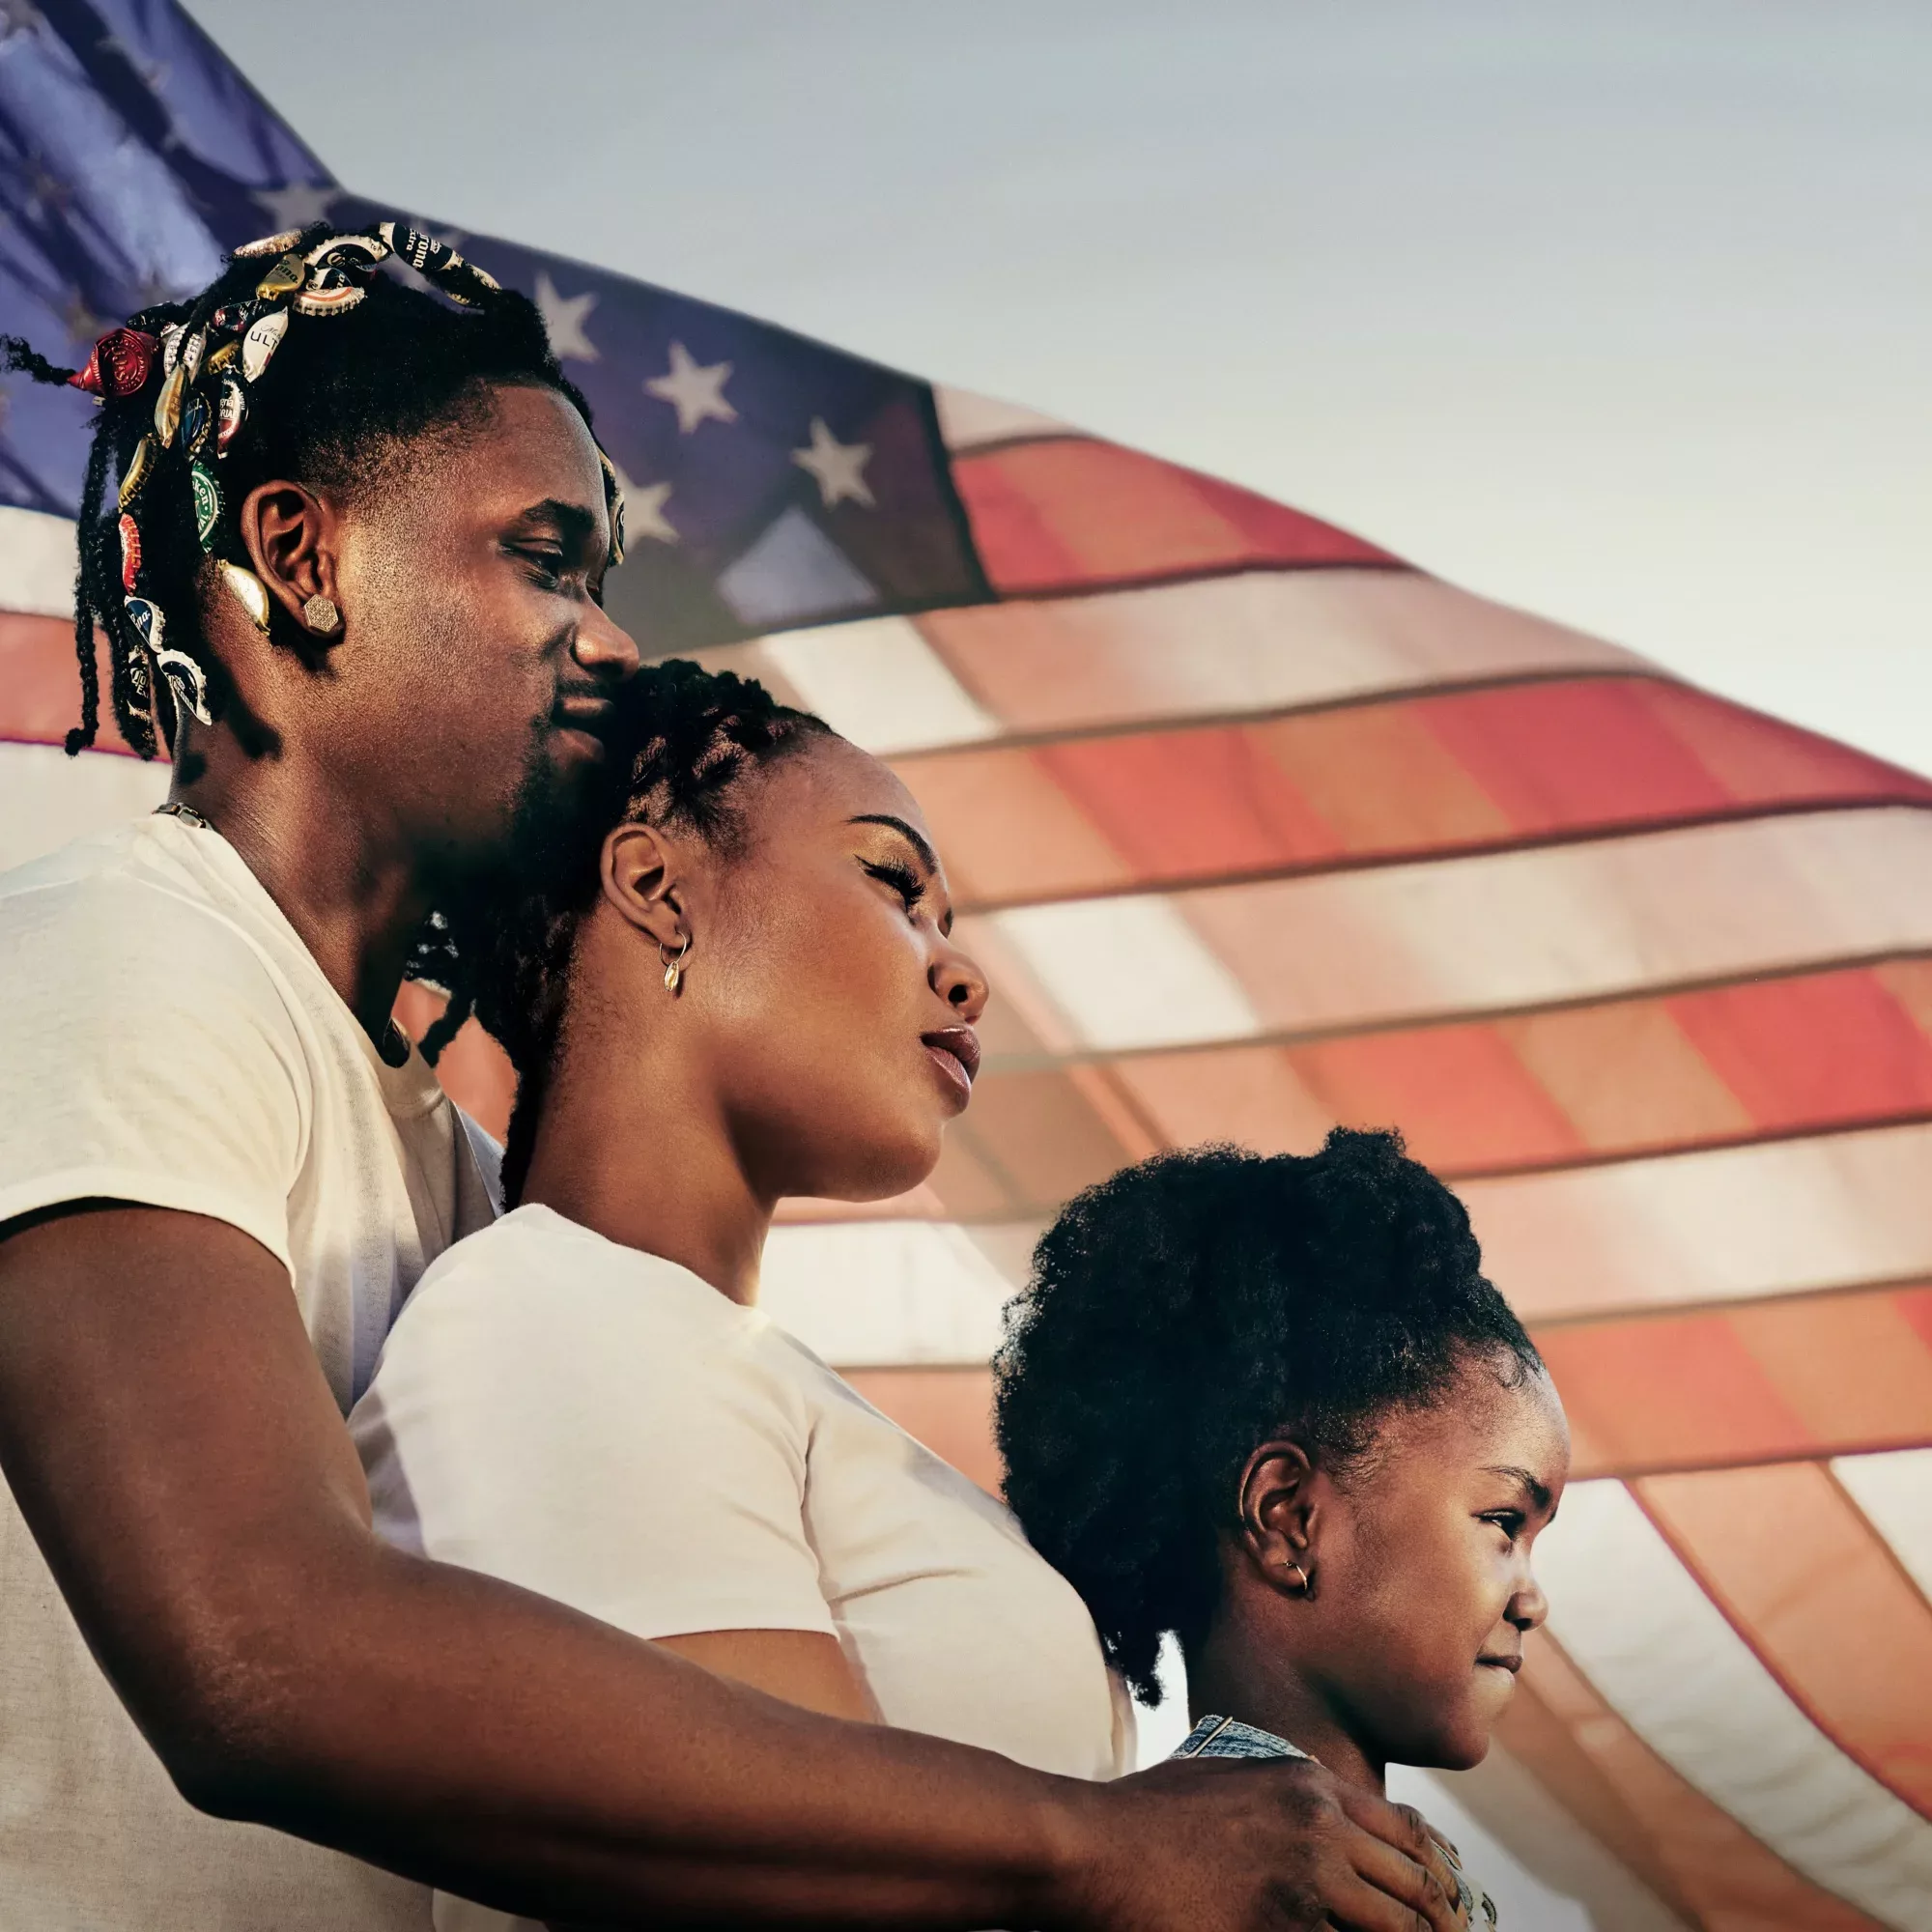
<point x="673" y="968"/>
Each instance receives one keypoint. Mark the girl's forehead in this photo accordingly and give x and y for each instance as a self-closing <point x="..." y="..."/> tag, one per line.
<point x="1494" y="1414"/>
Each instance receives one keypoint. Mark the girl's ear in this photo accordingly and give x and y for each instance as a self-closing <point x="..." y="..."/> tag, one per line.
<point x="1280" y="1516"/>
<point x="641" y="878"/>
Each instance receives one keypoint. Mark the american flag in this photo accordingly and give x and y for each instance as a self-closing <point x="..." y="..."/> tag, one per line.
<point x="1257" y="829"/>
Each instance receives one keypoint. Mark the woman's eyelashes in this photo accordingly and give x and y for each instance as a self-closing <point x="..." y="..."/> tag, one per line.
<point x="900" y="877"/>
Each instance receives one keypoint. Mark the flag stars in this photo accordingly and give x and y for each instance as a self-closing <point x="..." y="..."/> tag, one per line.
<point x="645" y="509"/>
<point x="564" y="317"/>
<point x="644" y="513"/>
<point x="297" y="204"/>
<point x="694" y="389"/>
<point x="836" y="468"/>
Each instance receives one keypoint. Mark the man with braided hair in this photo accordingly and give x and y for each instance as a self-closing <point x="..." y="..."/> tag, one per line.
<point x="349" y="580"/>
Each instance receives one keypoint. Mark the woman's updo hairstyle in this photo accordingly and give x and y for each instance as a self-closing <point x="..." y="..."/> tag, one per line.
<point x="306" y="358"/>
<point x="682" y="741"/>
<point x="1188" y="1308"/>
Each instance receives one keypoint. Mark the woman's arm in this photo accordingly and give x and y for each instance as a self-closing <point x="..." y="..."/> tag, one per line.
<point x="169" y="1438"/>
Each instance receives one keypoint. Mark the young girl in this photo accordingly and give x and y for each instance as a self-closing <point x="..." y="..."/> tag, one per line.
<point x="1270" y="1405"/>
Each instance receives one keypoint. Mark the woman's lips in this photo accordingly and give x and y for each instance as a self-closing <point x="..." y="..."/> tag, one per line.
<point x="955" y="1052"/>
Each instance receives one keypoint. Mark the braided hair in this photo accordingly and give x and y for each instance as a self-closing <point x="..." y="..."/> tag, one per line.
<point x="299" y="360"/>
<point x="1188" y="1308"/>
<point x="682" y="741"/>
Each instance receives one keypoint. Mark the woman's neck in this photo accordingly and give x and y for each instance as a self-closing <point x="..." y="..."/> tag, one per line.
<point x="631" y="1145"/>
<point x="1231" y="1678"/>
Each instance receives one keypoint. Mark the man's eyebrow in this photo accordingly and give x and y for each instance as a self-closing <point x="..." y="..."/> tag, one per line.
<point x="928" y="857"/>
<point x="573" y="521"/>
<point x="1539" y="1492"/>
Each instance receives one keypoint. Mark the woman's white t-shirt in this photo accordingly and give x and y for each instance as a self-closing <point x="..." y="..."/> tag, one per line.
<point x="602" y="1426"/>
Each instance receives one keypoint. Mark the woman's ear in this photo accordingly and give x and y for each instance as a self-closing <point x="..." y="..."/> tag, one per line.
<point x="1280" y="1516"/>
<point x="642" y="884"/>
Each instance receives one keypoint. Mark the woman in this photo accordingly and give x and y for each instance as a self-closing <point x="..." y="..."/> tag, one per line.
<point x="1271" y="1406"/>
<point x="746" y="989"/>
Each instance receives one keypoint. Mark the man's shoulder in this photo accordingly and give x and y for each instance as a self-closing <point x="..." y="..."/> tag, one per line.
<point x="130" y="896"/>
<point x="133" y="871"/>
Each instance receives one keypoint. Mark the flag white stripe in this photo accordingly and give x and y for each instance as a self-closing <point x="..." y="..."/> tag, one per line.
<point x="1254" y="642"/>
<point x="1715" y="1224"/>
<point x="1703" y="1228"/>
<point x="48" y="798"/>
<point x="1637" y="1623"/>
<point x="1496" y="931"/>
<point x="36" y="563"/>
<point x="1894" y="1491"/>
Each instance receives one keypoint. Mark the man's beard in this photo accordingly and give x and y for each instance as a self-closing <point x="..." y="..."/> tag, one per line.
<point x="546" y="862"/>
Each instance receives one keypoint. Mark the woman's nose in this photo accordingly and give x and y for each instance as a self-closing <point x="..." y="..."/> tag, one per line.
<point x="603" y="646"/>
<point x="959" y="982"/>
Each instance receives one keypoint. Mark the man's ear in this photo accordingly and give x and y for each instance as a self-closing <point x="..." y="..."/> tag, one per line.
<point x="291" y="535"/>
<point x="642" y="883"/>
<point x="1280" y="1514"/>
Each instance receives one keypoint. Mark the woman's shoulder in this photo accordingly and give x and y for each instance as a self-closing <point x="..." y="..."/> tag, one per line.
<point x="534" y="1277"/>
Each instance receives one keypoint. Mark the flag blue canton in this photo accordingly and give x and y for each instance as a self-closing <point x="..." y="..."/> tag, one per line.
<point x="770" y="480"/>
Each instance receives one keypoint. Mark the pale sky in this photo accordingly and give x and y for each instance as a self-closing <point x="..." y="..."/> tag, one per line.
<point x="1620" y="313"/>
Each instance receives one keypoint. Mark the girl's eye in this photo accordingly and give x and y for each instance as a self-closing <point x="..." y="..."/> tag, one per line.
<point x="903" y="879"/>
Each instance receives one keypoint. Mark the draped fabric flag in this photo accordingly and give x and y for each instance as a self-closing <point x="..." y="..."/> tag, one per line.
<point x="1257" y="830"/>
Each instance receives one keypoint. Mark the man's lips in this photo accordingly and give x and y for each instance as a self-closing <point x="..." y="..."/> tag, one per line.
<point x="956" y="1050"/>
<point x="583" y="717"/>
<point x="1510" y="1664"/>
<point x="582" y="714"/>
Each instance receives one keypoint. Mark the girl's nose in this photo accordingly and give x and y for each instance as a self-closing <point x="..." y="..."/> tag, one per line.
<point x="1529" y="1608"/>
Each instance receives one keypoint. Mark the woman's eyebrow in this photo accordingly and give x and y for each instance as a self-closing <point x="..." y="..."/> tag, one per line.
<point x="928" y="857"/>
<point x="1539" y="1492"/>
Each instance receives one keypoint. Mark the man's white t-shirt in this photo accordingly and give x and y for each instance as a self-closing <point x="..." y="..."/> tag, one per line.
<point x="165" y="1037"/>
<point x="603" y="1426"/>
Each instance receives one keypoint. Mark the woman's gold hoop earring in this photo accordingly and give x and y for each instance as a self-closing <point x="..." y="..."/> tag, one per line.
<point x="1300" y="1577"/>
<point x="673" y="968"/>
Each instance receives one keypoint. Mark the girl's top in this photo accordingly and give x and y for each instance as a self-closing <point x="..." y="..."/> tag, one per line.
<point x="1228" y="1737"/>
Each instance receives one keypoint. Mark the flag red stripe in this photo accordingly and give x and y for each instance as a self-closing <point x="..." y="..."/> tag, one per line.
<point x="1811" y="1375"/>
<point x="40" y="683"/>
<point x="1372" y="783"/>
<point x="1075" y="514"/>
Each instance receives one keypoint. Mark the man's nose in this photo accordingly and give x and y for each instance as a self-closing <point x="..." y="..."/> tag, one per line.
<point x="604" y="647"/>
